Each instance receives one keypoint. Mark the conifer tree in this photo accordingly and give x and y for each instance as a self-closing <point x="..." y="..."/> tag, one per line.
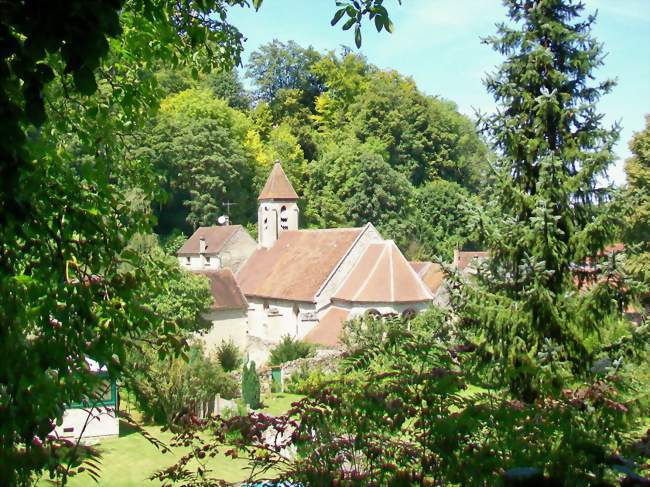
<point x="552" y="212"/>
<point x="251" y="386"/>
<point x="637" y="232"/>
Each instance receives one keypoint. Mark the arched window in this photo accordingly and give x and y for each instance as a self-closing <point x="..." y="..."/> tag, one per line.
<point x="284" y="218"/>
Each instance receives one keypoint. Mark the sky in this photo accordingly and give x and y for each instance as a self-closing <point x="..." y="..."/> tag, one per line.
<point x="438" y="44"/>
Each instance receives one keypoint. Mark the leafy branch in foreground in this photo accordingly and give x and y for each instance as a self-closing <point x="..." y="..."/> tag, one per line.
<point x="401" y="412"/>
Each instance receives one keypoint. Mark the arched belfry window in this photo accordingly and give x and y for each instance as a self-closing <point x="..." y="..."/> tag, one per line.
<point x="284" y="218"/>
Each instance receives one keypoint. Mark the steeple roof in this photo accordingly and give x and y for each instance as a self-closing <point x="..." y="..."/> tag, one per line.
<point x="277" y="186"/>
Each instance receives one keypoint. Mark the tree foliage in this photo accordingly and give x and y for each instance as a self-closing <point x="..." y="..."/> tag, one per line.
<point x="229" y="356"/>
<point x="73" y="83"/>
<point x="290" y="349"/>
<point x="637" y="232"/>
<point x="441" y="220"/>
<point x="169" y="388"/>
<point x="197" y="145"/>
<point x="553" y="213"/>
<point x="278" y="66"/>
<point x="353" y="185"/>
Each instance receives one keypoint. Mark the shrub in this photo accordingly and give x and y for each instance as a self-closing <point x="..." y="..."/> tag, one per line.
<point x="164" y="388"/>
<point x="229" y="356"/>
<point x="307" y="381"/>
<point x="251" y="386"/>
<point x="290" y="349"/>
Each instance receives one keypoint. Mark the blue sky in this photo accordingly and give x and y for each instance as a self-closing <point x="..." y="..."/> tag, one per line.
<point x="437" y="42"/>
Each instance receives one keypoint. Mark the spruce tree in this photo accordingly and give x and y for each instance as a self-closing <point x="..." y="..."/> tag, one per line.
<point x="552" y="212"/>
<point x="637" y="230"/>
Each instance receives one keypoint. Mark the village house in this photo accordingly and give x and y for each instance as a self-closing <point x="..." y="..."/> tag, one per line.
<point x="300" y="282"/>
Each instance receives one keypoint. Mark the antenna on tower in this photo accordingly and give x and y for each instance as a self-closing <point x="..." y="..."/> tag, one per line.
<point x="228" y="204"/>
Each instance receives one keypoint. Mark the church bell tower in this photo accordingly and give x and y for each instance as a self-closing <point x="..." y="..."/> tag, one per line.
<point x="278" y="207"/>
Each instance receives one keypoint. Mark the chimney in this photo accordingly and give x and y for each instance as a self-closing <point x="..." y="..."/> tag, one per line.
<point x="202" y="245"/>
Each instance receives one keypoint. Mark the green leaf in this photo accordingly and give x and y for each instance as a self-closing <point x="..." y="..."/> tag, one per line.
<point x="337" y="16"/>
<point x="349" y="24"/>
<point x="379" y="22"/>
<point x="357" y="36"/>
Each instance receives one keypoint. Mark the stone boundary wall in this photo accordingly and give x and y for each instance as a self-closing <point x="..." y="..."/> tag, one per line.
<point x="325" y="359"/>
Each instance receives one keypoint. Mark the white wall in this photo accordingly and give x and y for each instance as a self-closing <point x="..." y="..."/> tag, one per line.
<point x="271" y="327"/>
<point x="199" y="262"/>
<point x="104" y="423"/>
<point x="269" y="224"/>
<point x="226" y="325"/>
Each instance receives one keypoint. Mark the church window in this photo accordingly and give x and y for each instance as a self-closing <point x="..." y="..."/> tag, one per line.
<point x="296" y="310"/>
<point x="265" y="304"/>
<point x="284" y="219"/>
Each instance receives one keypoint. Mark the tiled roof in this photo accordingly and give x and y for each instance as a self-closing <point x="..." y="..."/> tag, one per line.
<point x="215" y="239"/>
<point x="225" y="290"/>
<point x="277" y="186"/>
<point x="383" y="275"/>
<point x="431" y="274"/>
<point x="329" y="327"/>
<point x="297" y="265"/>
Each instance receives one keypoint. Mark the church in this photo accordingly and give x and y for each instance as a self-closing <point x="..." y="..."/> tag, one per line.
<point x="305" y="283"/>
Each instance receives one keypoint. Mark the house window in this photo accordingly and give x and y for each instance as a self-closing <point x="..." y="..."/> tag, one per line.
<point x="296" y="310"/>
<point x="265" y="304"/>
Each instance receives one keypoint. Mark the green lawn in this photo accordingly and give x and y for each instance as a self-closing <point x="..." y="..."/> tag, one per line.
<point x="276" y="404"/>
<point x="128" y="460"/>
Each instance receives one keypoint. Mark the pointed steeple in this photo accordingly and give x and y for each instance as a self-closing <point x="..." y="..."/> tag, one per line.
<point x="277" y="186"/>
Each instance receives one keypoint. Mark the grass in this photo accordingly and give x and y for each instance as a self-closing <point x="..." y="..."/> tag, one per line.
<point x="280" y="403"/>
<point x="129" y="460"/>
